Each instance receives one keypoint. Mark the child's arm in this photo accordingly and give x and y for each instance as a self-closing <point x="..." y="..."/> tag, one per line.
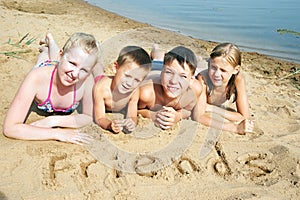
<point x="75" y="120"/>
<point x="147" y="101"/>
<point x="166" y="117"/>
<point x="133" y="106"/>
<point x="200" y="116"/>
<point x="241" y="103"/>
<point x="99" y="95"/>
<point x="131" y="115"/>
<point x="14" y="126"/>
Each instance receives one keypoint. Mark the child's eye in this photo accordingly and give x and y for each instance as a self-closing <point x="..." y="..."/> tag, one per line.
<point x="213" y="67"/>
<point x="168" y="72"/>
<point x="184" y="76"/>
<point x="136" y="81"/>
<point x="84" y="70"/>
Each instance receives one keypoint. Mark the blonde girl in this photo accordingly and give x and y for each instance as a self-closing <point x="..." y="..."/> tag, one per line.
<point x="55" y="88"/>
<point x="223" y="83"/>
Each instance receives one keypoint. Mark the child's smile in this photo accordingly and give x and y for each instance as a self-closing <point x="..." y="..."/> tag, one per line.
<point x="175" y="79"/>
<point x="220" y="71"/>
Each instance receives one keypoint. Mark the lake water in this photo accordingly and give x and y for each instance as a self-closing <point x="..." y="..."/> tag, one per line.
<point x="252" y="25"/>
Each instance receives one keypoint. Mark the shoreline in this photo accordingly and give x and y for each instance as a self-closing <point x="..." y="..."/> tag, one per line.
<point x="284" y="67"/>
<point x="261" y="165"/>
<point x="273" y="49"/>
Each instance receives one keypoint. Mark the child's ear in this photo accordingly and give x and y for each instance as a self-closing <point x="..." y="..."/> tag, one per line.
<point x="237" y="69"/>
<point x="115" y="67"/>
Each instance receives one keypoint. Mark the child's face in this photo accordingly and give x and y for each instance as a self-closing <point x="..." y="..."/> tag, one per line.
<point x="175" y="79"/>
<point x="129" y="76"/>
<point x="220" y="71"/>
<point x="75" y="66"/>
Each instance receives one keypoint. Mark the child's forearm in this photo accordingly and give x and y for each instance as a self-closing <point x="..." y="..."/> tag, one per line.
<point x="229" y="115"/>
<point x="241" y="128"/>
<point x="75" y="121"/>
<point x="67" y="121"/>
<point x="208" y="121"/>
<point x="185" y="113"/>
<point x="104" y="123"/>
<point x="30" y="132"/>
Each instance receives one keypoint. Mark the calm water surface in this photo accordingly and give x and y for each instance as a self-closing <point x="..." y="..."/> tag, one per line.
<point x="252" y="25"/>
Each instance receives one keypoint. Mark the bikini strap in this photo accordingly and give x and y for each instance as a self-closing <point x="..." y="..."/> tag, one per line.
<point x="51" y="82"/>
<point x="74" y="96"/>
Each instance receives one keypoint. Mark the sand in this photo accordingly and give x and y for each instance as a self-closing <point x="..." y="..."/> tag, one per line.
<point x="190" y="161"/>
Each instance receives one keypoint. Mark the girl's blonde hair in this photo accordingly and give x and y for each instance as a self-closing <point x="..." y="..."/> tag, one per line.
<point x="86" y="42"/>
<point x="232" y="54"/>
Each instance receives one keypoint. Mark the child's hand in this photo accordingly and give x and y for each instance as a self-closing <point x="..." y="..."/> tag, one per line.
<point x="245" y="126"/>
<point x="73" y="136"/>
<point x="117" y="125"/>
<point x="167" y="117"/>
<point x="129" y="124"/>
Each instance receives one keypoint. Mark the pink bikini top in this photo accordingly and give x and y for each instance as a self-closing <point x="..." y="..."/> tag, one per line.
<point x="47" y="105"/>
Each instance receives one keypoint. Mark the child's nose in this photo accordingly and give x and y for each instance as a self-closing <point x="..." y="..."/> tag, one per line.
<point x="218" y="72"/>
<point x="174" y="78"/>
<point x="75" y="73"/>
<point x="129" y="82"/>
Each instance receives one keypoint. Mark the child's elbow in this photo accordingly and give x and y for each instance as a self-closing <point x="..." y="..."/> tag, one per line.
<point x="8" y="131"/>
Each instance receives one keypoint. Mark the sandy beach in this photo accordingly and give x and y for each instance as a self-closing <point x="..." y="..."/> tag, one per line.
<point x="190" y="161"/>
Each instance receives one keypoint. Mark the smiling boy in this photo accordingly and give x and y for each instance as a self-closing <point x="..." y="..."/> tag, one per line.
<point x="171" y="96"/>
<point x="116" y="93"/>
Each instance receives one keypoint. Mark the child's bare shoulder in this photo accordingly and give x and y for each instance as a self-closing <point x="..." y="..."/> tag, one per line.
<point x="103" y="85"/>
<point x="146" y="91"/>
<point x="40" y="74"/>
<point x="240" y="79"/>
<point x="196" y="86"/>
